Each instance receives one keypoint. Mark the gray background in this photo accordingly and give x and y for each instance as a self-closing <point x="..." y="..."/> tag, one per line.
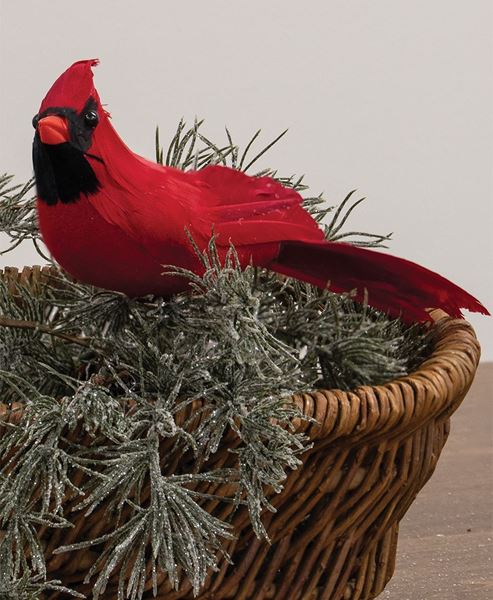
<point x="393" y="98"/>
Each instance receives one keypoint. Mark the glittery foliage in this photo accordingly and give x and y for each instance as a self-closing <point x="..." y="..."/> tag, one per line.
<point x="118" y="375"/>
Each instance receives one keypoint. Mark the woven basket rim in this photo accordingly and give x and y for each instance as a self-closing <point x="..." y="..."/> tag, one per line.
<point x="395" y="408"/>
<point x="402" y="405"/>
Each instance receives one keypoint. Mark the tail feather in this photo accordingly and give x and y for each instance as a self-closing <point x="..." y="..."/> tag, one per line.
<point x="394" y="285"/>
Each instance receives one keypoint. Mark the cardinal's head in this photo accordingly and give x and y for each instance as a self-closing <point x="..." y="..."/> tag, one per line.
<point x="65" y="125"/>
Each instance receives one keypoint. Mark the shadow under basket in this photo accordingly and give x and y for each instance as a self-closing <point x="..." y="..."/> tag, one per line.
<point x="334" y="535"/>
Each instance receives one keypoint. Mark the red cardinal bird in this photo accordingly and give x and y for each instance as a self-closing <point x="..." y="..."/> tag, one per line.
<point x="113" y="219"/>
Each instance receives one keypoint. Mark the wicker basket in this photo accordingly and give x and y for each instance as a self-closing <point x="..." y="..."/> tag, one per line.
<point x="334" y="534"/>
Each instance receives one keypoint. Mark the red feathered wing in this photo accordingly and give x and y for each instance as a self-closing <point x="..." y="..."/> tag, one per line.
<point x="248" y="210"/>
<point x="260" y="210"/>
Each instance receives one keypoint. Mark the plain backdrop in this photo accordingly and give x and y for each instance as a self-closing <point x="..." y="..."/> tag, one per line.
<point x="393" y="98"/>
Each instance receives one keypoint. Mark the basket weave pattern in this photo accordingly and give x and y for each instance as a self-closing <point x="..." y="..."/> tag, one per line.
<point x="334" y="535"/>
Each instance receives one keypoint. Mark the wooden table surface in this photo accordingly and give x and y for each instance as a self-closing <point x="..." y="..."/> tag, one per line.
<point x="445" y="549"/>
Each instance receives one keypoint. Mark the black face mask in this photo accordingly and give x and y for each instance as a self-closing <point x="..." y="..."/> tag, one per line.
<point x="62" y="171"/>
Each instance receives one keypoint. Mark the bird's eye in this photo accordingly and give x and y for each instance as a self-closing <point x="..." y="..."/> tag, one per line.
<point x="35" y="121"/>
<point x="91" y="118"/>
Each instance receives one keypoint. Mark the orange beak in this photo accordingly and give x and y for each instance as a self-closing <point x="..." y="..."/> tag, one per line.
<point x="53" y="130"/>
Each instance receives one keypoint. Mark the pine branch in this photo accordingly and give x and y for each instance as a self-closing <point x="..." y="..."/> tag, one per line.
<point x="126" y="371"/>
<point x="31" y="587"/>
<point x="18" y="217"/>
<point x="18" y="324"/>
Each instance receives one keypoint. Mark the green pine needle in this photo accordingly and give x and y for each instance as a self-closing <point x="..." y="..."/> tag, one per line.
<point x="122" y="370"/>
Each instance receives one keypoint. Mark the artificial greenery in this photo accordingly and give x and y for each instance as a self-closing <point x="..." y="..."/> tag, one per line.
<point x="123" y="373"/>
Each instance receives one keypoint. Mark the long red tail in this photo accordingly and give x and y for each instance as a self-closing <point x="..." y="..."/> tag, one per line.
<point x="395" y="285"/>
